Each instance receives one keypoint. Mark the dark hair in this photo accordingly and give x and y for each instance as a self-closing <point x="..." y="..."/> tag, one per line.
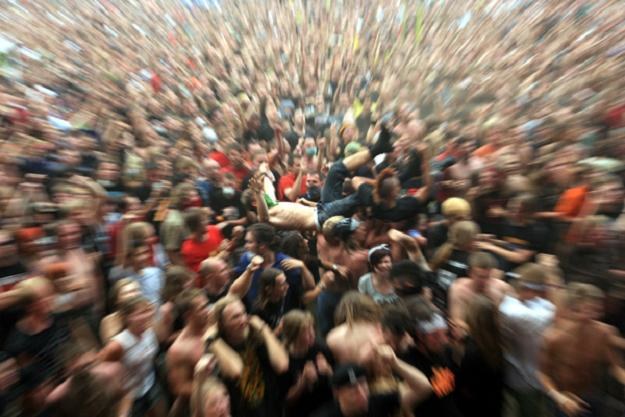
<point x="266" y="284"/>
<point x="264" y="234"/>
<point x="193" y="219"/>
<point x="378" y="255"/>
<point x="184" y="300"/>
<point x="292" y="245"/>
<point x="396" y="318"/>
<point x="384" y="184"/>
<point x="408" y="272"/>
<point x="175" y="278"/>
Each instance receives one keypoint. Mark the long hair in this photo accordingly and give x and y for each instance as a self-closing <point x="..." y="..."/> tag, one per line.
<point x="267" y="283"/>
<point x="461" y="235"/>
<point x="356" y="307"/>
<point x="484" y="329"/>
<point x="292" y="325"/>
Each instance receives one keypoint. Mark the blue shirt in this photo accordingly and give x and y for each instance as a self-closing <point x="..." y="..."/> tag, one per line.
<point x="293" y="277"/>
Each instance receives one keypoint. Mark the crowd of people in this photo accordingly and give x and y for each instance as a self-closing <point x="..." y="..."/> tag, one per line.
<point x="276" y="208"/>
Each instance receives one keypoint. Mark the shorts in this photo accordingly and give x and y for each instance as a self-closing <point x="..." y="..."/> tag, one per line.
<point x="142" y="405"/>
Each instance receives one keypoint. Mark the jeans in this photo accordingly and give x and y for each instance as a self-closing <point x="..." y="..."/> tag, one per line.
<point x="333" y="187"/>
<point x="345" y="207"/>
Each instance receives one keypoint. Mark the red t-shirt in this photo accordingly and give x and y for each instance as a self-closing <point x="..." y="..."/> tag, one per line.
<point x="220" y="157"/>
<point x="287" y="181"/>
<point x="239" y="173"/>
<point x="194" y="252"/>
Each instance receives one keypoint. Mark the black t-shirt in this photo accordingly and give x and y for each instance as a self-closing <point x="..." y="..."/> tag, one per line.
<point x="457" y="266"/>
<point x="10" y="276"/>
<point x="42" y="352"/>
<point x="532" y="236"/>
<point x="479" y="386"/>
<point x="316" y="396"/>
<point x="439" y="370"/>
<point x="405" y="207"/>
<point x="271" y="313"/>
<point x="258" y="392"/>
<point x="218" y="201"/>
<point x="380" y="405"/>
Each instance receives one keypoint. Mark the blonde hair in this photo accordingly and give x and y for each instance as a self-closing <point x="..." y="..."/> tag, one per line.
<point x="456" y="207"/>
<point x="201" y="390"/>
<point x="30" y="286"/>
<point x="577" y="293"/>
<point x="461" y="234"/>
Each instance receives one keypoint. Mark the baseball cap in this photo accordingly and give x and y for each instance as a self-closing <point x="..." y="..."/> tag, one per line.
<point x="346" y="375"/>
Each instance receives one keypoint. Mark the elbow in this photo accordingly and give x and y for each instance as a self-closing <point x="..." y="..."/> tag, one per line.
<point x="282" y="366"/>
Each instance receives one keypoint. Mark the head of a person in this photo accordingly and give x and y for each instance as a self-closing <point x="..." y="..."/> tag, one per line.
<point x="341" y="229"/>
<point x="212" y="170"/>
<point x="585" y="302"/>
<point x="456" y="209"/>
<point x="192" y="305"/>
<point x="214" y="275"/>
<point x="463" y="235"/>
<point x="108" y="173"/>
<point x="350" y="389"/>
<point x="39" y="295"/>
<point x="232" y="319"/>
<point x="273" y="286"/>
<point x="357" y="307"/>
<point x="196" y="220"/>
<point x="28" y="238"/>
<point x="380" y="260"/>
<point x="483" y="324"/>
<point x="531" y="281"/>
<point x="68" y="234"/>
<point x="387" y="186"/>
<point x="137" y="314"/>
<point x="612" y="193"/>
<point x="210" y="398"/>
<point x="177" y="279"/>
<point x="260" y="239"/>
<point x="429" y="330"/>
<point x="183" y="196"/>
<point x="139" y="255"/>
<point x="407" y="278"/>
<point x="481" y="265"/>
<point x="396" y="322"/>
<point x="313" y="185"/>
<point x="123" y="290"/>
<point x="309" y="147"/>
<point x="522" y="206"/>
<point x="258" y="157"/>
<point x="294" y="245"/>
<point x="297" y="330"/>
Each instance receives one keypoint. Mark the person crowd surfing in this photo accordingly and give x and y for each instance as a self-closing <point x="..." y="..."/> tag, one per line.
<point x="312" y="208"/>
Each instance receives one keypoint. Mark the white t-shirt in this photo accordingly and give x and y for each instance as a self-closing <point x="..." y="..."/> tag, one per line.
<point x="139" y="354"/>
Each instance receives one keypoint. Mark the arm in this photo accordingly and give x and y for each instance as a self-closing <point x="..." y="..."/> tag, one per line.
<point x="112" y="352"/>
<point x="230" y="362"/>
<point x="293" y="192"/>
<point x="242" y="284"/>
<point x="415" y="386"/>
<point x="410" y="246"/>
<point x="519" y="256"/>
<point x="278" y="356"/>
<point x="310" y="296"/>
<point x="308" y="281"/>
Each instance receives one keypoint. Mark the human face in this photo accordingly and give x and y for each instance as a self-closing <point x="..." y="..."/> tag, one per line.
<point x="69" y="236"/>
<point x="313" y="180"/>
<point x="141" y="318"/>
<point x="43" y="304"/>
<point x="384" y="266"/>
<point x="141" y="257"/>
<point x="234" y="320"/>
<point x="200" y="310"/>
<point x="353" y="399"/>
<point x="306" y="337"/>
<point x="108" y="171"/>
<point x="250" y="243"/>
<point x="436" y="341"/>
<point x="479" y="277"/>
<point x="217" y="403"/>
<point x="128" y="292"/>
<point x="280" y="287"/>
<point x="589" y="310"/>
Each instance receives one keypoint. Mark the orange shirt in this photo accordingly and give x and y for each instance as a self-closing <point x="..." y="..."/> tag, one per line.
<point x="571" y="201"/>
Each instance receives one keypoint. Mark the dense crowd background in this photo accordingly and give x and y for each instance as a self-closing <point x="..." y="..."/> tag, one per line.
<point x="312" y="208"/>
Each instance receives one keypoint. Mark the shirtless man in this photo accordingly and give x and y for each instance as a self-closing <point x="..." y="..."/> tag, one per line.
<point x="359" y="333"/>
<point x="575" y="352"/>
<point x="339" y="251"/>
<point x="187" y="349"/>
<point x="479" y="282"/>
